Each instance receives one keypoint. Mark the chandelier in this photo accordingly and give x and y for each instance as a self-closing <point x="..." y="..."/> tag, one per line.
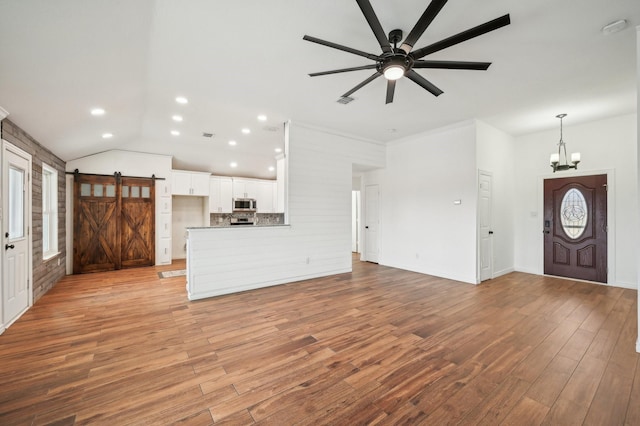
<point x="562" y="153"/>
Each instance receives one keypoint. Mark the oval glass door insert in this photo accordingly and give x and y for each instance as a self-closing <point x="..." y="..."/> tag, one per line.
<point x="573" y="213"/>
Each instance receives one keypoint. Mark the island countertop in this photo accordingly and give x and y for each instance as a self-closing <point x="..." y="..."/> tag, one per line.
<point x="271" y="225"/>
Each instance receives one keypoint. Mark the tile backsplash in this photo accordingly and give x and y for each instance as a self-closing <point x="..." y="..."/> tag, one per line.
<point x="224" y="219"/>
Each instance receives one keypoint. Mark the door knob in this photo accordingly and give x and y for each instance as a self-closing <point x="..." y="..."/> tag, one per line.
<point x="9" y="246"/>
<point x="366" y="227"/>
<point x="490" y="232"/>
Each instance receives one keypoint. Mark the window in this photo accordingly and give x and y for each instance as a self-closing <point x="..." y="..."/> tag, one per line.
<point x="49" y="211"/>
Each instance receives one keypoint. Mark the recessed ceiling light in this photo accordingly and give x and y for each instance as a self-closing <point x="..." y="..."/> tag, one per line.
<point x="97" y="111"/>
<point x="182" y="100"/>
<point x="175" y="133"/>
<point x="271" y="168"/>
<point x="246" y="131"/>
<point x="262" y="117"/>
<point x="233" y="164"/>
<point x="107" y="135"/>
<point x="177" y="118"/>
<point x="278" y="150"/>
<point x="232" y="143"/>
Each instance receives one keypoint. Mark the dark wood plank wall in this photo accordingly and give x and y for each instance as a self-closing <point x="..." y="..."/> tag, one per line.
<point x="379" y="345"/>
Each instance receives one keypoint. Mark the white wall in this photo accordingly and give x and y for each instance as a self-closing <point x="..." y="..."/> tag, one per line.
<point x="126" y="162"/>
<point x="495" y="154"/>
<point x="421" y="228"/>
<point x="318" y="240"/>
<point x="638" y="181"/>
<point x="607" y="146"/>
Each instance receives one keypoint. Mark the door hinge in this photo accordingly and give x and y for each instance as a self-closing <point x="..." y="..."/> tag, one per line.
<point x="606" y="187"/>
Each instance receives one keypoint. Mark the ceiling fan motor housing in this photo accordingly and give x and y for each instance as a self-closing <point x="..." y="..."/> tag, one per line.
<point x="395" y="60"/>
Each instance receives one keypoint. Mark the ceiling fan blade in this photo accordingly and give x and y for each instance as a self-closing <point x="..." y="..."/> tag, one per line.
<point x="423" y="82"/>
<point x="361" y="85"/>
<point x="374" y="23"/>
<point x="391" y="88"/>
<point x="364" y="67"/>
<point x="425" y="20"/>
<point x="341" y="47"/>
<point x="463" y="36"/>
<point x="452" y="65"/>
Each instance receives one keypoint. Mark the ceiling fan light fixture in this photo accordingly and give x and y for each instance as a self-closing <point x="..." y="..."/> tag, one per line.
<point x="394" y="72"/>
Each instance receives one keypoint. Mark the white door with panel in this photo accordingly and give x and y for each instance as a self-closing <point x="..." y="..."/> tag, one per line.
<point x="484" y="223"/>
<point x="372" y="215"/>
<point x="16" y="223"/>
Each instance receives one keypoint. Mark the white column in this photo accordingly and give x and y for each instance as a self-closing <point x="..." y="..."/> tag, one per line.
<point x="638" y="167"/>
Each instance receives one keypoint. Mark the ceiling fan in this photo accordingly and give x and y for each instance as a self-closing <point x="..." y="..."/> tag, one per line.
<point x="394" y="62"/>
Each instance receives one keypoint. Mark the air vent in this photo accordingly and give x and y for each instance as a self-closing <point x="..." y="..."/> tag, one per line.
<point x="345" y="100"/>
<point x="271" y="128"/>
<point x="207" y="135"/>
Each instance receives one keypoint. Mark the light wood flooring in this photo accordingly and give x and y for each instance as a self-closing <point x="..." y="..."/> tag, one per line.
<point x="376" y="346"/>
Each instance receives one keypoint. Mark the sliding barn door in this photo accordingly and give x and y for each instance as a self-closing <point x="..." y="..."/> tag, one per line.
<point x="113" y="223"/>
<point x="95" y="225"/>
<point x="137" y="222"/>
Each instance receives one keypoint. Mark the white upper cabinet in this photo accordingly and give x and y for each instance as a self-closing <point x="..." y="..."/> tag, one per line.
<point x="259" y="189"/>
<point x="190" y="183"/>
<point x="245" y="188"/>
<point x="220" y="194"/>
<point x="264" y="198"/>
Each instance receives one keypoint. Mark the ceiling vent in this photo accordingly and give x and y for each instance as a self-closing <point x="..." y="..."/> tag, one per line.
<point x="271" y="128"/>
<point x="207" y="135"/>
<point x="345" y="100"/>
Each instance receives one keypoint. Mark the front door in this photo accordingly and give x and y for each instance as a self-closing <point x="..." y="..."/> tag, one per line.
<point x="575" y="227"/>
<point x="16" y="200"/>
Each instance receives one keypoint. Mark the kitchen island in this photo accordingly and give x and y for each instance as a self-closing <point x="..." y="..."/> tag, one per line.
<point x="230" y="259"/>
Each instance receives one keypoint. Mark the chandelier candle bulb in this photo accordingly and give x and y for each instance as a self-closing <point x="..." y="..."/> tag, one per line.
<point x="555" y="158"/>
<point x="575" y="157"/>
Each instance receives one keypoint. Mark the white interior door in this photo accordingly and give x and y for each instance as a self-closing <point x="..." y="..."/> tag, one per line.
<point x="16" y="202"/>
<point x="486" y="240"/>
<point x="355" y="221"/>
<point x="371" y="222"/>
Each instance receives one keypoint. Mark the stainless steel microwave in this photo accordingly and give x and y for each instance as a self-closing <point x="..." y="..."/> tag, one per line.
<point x="244" y="205"/>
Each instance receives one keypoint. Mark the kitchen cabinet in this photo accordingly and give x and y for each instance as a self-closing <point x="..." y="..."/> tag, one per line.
<point x="245" y="188"/>
<point x="264" y="196"/>
<point x="190" y="183"/>
<point x="163" y="222"/>
<point x="220" y="194"/>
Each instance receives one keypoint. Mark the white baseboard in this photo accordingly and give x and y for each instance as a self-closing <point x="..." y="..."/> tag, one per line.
<point x="503" y="272"/>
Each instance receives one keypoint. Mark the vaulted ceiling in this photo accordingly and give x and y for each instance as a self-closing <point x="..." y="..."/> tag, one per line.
<point x="236" y="60"/>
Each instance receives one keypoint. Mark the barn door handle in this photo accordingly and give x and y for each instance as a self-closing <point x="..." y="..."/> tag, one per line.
<point x="9" y="246"/>
<point x="545" y="232"/>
